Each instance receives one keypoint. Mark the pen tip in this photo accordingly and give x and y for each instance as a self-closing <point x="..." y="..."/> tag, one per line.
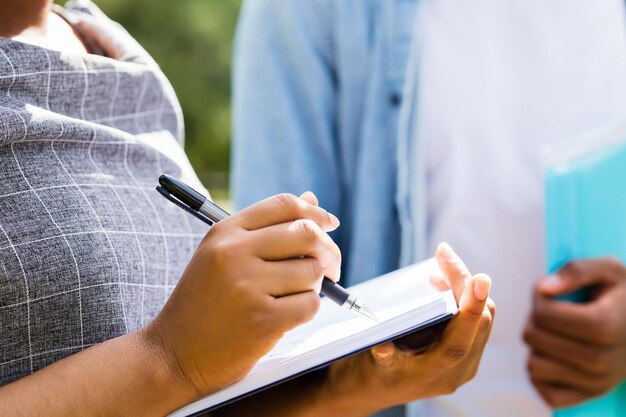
<point x="364" y="311"/>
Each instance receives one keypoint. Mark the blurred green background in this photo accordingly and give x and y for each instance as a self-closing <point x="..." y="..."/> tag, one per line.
<point x="192" y="41"/>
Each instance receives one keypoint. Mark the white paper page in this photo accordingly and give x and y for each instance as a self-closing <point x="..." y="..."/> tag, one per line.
<point x="407" y="289"/>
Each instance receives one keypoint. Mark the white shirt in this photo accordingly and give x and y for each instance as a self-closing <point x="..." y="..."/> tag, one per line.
<point x="498" y="80"/>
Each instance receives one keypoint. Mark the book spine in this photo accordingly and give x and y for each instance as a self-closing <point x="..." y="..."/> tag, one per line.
<point x="561" y="220"/>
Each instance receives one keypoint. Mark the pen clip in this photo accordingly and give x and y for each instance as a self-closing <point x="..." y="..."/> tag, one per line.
<point x="165" y="193"/>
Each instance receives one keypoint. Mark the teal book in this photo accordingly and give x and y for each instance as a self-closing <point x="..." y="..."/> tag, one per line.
<point x="586" y="218"/>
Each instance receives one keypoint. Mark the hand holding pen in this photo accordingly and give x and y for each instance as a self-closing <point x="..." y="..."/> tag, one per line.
<point x="196" y="204"/>
<point x="254" y="276"/>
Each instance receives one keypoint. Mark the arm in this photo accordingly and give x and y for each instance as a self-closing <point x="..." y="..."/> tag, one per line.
<point x="284" y="100"/>
<point x="578" y="351"/>
<point x="384" y="376"/>
<point x="129" y="375"/>
<point x="255" y="275"/>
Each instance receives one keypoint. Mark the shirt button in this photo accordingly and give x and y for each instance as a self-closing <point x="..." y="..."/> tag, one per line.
<point x="395" y="99"/>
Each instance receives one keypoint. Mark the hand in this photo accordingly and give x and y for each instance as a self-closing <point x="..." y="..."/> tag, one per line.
<point x="386" y="376"/>
<point x="255" y="275"/>
<point x="578" y="351"/>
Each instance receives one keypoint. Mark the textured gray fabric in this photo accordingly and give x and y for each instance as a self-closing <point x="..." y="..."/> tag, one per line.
<point x="88" y="249"/>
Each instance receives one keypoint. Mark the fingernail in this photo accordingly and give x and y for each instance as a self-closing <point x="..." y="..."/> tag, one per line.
<point x="446" y="252"/>
<point x="553" y="279"/>
<point x="482" y="286"/>
<point x="309" y="197"/>
<point x="334" y="220"/>
<point x="551" y="284"/>
<point x="381" y="354"/>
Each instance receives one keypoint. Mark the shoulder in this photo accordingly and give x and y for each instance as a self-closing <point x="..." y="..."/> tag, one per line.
<point x="77" y="9"/>
<point x="103" y="35"/>
<point x="84" y="6"/>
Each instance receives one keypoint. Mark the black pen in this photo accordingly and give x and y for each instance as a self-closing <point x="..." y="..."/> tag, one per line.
<point x="198" y="205"/>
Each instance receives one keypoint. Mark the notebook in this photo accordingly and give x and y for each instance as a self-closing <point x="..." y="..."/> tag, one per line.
<point x="586" y="218"/>
<point x="403" y="300"/>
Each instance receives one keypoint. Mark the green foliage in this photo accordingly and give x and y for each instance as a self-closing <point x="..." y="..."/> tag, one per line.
<point x="192" y="41"/>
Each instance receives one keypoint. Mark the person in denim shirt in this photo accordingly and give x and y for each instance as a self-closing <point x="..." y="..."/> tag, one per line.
<point x="422" y="121"/>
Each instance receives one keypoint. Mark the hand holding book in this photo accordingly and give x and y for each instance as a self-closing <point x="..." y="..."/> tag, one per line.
<point x="385" y="375"/>
<point x="366" y="381"/>
<point x="579" y="350"/>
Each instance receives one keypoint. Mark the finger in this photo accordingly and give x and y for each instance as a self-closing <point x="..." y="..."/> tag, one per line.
<point x="560" y="397"/>
<point x="480" y="339"/>
<point x="296" y="309"/>
<point x="492" y="307"/>
<point x="582" y="274"/>
<point x="457" y="340"/>
<point x="548" y="371"/>
<point x="282" y="278"/>
<point x="583" y="322"/>
<point x="310" y="198"/>
<point x="439" y="283"/>
<point x="454" y="270"/>
<point x="569" y="351"/>
<point x="552" y="285"/>
<point x="301" y="238"/>
<point x="283" y="208"/>
<point x="384" y="355"/>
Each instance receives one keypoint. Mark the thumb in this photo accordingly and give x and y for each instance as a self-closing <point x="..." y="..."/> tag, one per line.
<point x="554" y="285"/>
<point x="577" y="275"/>
<point x="384" y="355"/>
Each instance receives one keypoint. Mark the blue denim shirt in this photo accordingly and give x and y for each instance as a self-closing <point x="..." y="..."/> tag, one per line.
<point x="304" y="121"/>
